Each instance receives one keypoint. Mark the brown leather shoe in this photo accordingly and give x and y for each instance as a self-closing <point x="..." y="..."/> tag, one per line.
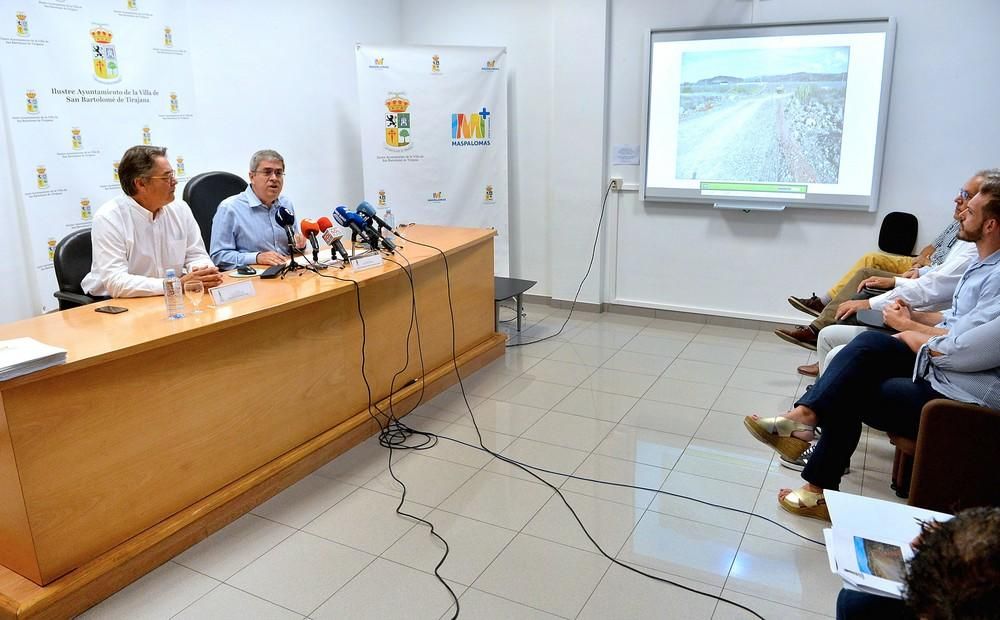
<point x="805" y="337"/>
<point x="809" y="370"/>
<point x="812" y="306"/>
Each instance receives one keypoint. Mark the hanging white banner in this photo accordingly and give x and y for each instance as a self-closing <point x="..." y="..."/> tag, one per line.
<point x="434" y="135"/>
<point x="82" y="82"/>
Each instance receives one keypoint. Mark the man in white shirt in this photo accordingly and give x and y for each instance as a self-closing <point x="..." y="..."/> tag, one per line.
<point x="138" y="236"/>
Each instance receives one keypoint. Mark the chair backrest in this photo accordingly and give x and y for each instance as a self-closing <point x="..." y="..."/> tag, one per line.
<point x="898" y="233"/>
<point x="204" y="192"/>
<point x="956" y="457"/>
<point x="72" y="259"/>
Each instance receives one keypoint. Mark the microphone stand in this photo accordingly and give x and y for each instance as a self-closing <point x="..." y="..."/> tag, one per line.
<point x="292" y="265"/>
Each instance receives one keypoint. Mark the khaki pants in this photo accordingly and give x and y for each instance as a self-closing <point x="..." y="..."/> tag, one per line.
<point x="848" y="291"/>
<point x="893" y="263"/>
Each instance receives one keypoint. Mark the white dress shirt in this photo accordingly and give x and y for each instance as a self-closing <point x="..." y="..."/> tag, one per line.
<point x="133" y="249"/>
<point x="933" y="290"/>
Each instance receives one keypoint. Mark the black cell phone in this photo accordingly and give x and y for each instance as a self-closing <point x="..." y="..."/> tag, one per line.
<point x="111" y="309"/>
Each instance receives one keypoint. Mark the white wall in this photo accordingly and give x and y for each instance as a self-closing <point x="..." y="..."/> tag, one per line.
<point x="18" y="295"/>
<point x="941" y="128"/>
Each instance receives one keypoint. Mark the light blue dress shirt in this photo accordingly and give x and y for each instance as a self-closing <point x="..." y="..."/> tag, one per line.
<point x="968" y="367"/>
<point x="244" y="226"/>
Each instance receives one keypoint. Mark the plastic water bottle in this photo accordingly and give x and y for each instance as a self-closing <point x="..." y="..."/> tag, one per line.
<point x="390" y="219"/>
<point x="173" y="295"/>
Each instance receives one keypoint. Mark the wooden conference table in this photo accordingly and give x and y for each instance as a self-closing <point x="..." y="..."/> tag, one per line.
<point x="156" y="433"/>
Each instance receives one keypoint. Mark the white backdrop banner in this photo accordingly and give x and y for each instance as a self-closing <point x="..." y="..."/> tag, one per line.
<point x="83" y="80"/>
<point x="434" y="135"/>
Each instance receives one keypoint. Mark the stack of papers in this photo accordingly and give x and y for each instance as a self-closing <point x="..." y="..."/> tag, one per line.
<point x="21" y="356"/>
<point x="869" y="543"/>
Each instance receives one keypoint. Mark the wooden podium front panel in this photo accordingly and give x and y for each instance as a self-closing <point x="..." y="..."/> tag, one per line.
<point x="110" y="447"/>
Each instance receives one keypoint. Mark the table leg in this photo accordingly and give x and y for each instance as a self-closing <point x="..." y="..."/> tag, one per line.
<point x="517" y="298"/>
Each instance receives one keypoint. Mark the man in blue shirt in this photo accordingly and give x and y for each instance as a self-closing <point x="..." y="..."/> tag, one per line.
<point x="884" y="381"/>
<point x="244" y="231"/>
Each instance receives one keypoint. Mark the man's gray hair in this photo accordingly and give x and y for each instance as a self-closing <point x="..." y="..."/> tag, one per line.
<point x="137" y="163"/>
<point x="264" y="155"/>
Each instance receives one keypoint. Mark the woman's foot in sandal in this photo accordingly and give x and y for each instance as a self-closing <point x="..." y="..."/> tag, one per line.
<point x="806" y="501"/>
<point x="787" y="436"/>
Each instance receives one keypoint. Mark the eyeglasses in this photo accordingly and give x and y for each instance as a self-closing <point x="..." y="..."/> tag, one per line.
<point x="267" y="172"/>
<point x="963" y="194"/>
<point x="170" y="177"/>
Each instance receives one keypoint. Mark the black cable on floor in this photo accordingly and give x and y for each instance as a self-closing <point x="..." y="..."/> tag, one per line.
<point x="593" y="254"/>
<point x="454" y="355"/>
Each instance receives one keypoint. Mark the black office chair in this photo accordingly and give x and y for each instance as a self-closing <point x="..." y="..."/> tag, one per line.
<point x="72" y="260"/>
<point x="898" y="233"/>
<point x="204" y="192"/>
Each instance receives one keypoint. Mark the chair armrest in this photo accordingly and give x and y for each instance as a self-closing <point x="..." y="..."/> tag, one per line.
<point x="957" y="455"/>
<point x="76" y="298"/>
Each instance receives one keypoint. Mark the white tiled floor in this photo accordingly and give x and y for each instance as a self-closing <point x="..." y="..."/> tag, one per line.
<point x="649" y="402"/>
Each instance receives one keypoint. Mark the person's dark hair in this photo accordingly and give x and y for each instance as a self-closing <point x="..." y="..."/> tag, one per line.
<point x="955" y="573"/>
<point x="136" y="163"/>
<point x="991" y="187"/>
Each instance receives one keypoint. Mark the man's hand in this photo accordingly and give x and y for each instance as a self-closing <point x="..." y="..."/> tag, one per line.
<point x="850" y="307"/>
<point x="913" y="339"/>
<point x="876" y="282"/>
<point x="897" y="315"/>
<point x="911" y="274"/>
<point x="300" y="242"/>
<point x="271" y="258"/>
<point x="209" y="276"/>
<point x="921" y="261"/>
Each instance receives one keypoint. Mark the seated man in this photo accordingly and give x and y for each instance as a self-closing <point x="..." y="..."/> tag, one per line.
<point x="885" y="380"/>
<point x="954" y="573"/>
<point x="944" y="275"/>
<point x="890" y="264"/>
<point x="244" y="231"/>
<point x="138" y="236"/>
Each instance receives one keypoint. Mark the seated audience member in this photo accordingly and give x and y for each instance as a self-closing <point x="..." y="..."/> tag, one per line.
<point x="136" y="237"/>
<point x="244" y="231"/>
<point x="884" y="380"/>
<point x="851" y="284"/>
<point x="954" y="574"/>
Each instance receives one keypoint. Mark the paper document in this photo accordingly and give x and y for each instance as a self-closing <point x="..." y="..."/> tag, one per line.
<point x="869" y="543"/>
<point x="21" y="356"/>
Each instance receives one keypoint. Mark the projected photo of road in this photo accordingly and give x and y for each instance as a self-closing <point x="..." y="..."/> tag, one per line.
<point x="764" y="115"/>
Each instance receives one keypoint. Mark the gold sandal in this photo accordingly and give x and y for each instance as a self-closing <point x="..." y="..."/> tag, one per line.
<point x="805" y="503"/>
<point x="777" y="433"/>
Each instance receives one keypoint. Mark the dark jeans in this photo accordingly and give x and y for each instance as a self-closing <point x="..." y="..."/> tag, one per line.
<point x="854" y="605"/>
<point x="868" y="382"/>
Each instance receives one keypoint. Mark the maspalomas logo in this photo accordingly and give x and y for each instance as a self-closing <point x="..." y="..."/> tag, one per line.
<point x="471" y="129"/>
<point x="435" y="64"/>
<point x="147" y="135"/>
<point x="174" y="105"/>
<point x="76" y="138"/>
<point x="397" y="123"/>
<point x="491" y="65"/>
<point x="488" y="194"/>
<point x="179" y="168"/>
<point x="22" y="24"/>
<point x="41" y="177"/>
<point x="31" y="101"/>
<point x="105" y="57"/>
<point x="85" y="213"/>
<point x="437" y="197"/>
<point x="381" y="197"/>
<point x="378" y="63"/>
<point x="51" y="243"/>
<point x="168" y="37"/>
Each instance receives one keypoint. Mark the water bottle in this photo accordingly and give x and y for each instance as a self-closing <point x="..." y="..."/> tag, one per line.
<point x="390" y="219"/>
<point x="173" y="295"/>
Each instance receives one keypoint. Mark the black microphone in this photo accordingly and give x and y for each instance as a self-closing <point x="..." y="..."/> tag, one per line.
<point x="366" y="210"/>
<point x="286" y="220"/>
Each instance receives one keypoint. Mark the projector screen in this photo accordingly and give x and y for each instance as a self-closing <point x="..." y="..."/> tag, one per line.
<point x="768" y="116"/>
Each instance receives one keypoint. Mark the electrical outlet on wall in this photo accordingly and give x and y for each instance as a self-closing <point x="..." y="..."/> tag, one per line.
<point x="616" y="184"/>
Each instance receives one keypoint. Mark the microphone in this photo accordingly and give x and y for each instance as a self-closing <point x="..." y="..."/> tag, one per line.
<point x="286" y="220"/>
<point x="356" y="224"/>
<point x="310" y="229"/>
<point x="366" y="210"/>
<point x="332" y="237"/>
